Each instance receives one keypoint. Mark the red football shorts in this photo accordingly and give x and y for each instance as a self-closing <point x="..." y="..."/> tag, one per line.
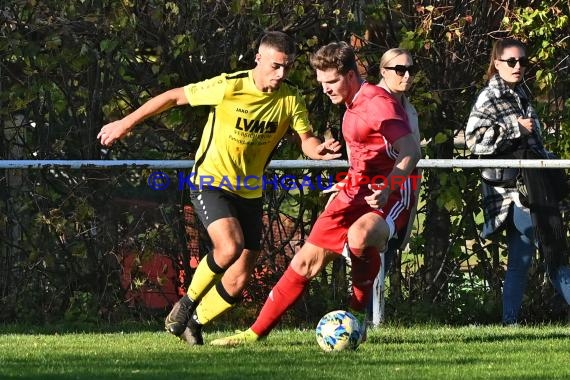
<point x="330" y="229"/>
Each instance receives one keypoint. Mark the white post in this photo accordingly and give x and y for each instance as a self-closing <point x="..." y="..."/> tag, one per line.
<point x="378" y="295"/>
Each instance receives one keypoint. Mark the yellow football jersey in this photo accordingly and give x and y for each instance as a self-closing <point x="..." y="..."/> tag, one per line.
<point x="243" y="127"/>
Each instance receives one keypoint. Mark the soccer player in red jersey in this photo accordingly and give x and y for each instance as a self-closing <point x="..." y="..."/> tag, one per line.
<point x="362" y="218"/>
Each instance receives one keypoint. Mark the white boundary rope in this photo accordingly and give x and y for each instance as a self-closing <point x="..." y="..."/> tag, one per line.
<point x="275" y="164"/>
<point x="379" y="284"/>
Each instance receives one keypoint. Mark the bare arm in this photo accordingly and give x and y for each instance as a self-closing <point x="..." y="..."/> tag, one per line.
<point x="117" y="129"/>
<point x="409" y="154"/>
<point x="314" y="149"/>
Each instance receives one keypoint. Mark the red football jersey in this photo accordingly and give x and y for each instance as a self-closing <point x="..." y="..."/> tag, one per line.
<point x="372" y="123"/>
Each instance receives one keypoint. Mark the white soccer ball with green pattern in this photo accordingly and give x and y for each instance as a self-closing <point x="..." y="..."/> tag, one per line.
<point x="338" y="330"/>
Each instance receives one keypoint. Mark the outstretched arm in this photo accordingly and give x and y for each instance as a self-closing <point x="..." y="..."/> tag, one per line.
<point x="317" y="150"/>
<point x="117" y="129"/>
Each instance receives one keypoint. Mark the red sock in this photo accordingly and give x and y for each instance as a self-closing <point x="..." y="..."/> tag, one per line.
<point x="284" y="294"/>
<point x="365" y="268"/>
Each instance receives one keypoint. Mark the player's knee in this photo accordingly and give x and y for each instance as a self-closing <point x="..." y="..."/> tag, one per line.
<point x="359" y="239"/>
<point x="301" y="267"/>
<point x="305" y="265"/>
<point x="227" y="254"/>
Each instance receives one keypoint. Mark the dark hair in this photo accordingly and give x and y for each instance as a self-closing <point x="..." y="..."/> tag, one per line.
<point x="336" y="55"/>
<point x="498" y="47"/>
<point x="279" y="41"/>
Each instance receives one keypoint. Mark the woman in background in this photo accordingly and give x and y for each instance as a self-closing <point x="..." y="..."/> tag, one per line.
<point x="503" y="122"/>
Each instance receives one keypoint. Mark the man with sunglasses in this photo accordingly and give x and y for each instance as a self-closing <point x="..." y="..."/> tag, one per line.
<point x="362" y="218"/>
<point x="503" y="124"/>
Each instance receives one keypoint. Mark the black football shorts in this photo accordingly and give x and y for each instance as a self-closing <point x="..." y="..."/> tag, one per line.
<point x="213" y="204"/>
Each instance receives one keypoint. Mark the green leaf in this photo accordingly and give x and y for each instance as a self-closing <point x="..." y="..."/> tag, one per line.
<point x="108" y="45"/>
<point x="441" y="137"/>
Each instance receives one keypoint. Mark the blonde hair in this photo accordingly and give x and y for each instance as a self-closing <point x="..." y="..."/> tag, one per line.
<point x="386" y="58"/>
<point x="391" y="54"/>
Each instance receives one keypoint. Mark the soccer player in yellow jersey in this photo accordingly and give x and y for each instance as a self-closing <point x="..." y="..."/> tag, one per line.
<point x="250" y="111"/>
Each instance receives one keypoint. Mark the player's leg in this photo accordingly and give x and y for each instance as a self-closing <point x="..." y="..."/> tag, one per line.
<point x="226" y="293"/>
<point x="306" y="264"/>
<point x="217" y="212"/>
<point x="366" y="238"/>
<point x="323" y="245"/>
<point x="223" y="296"/>
<point x="226" y="236"/>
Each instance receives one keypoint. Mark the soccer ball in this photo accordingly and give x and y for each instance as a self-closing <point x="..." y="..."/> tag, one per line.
<point x="337" y="331"/>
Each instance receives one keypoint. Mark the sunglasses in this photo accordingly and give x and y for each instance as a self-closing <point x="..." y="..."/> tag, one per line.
<point x="512" y="62"/>
<point x="401" y="70"/>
